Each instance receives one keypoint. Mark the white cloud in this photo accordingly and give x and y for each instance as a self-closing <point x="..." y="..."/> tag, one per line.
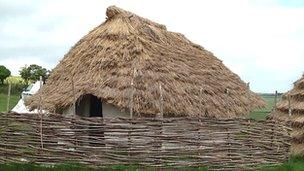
<point x="259" y="40"/>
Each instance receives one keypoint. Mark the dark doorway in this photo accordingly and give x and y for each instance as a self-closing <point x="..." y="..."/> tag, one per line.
<point x="95" y="107"/>
<point x="89" y="105"/>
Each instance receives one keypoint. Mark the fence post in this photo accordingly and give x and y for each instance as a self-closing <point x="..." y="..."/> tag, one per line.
<point x="289" y="113"/>
<point x="248" y="94"/>
<point x="159" y="130"/>
<point x="131" y="99"/>
<point x="8" y="97"/>
<point x="228" y="142"/>
<point x="74" y="95"/>
<point x="289" y="106"/>
<point x="161" y="100"/>
<point x="200" y="124"/>
<point x="131" y="105"/>
<point x="40" y="113"/>
<point x="5" y="137"/>
<point x="275" y="101"/>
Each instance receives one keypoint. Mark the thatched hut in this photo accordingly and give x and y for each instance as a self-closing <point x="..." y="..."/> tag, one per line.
<point x="291" y="110"/>
<point x="131" y="63"/>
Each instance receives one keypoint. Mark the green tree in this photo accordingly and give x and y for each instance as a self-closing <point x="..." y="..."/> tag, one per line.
<point x="33" y="73"/>
<point x="4" y="73"/>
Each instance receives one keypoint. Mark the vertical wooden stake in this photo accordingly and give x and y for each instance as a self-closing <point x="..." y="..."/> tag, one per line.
<point x="131" y="99"/>
<point x="248" y="95"/>
<point x="74" y="95"/>
<point x="200" y="122"/>
<point x="5" y="138"/>
<point x="131" y="105"/>
<point x="228" y="142"/>
<point x="8" y="97"/>
<point x="159" y="129"/>
<point x="201" y="102"/>
<point x="40" y="112"/>
<point x="275" y="100"/>
<point x="161" y="101"/>
<point x="289" y="106"/>
<point x="248" y="85"/>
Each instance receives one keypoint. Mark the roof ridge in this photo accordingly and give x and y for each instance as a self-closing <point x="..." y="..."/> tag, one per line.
<point x="114" y="11"/>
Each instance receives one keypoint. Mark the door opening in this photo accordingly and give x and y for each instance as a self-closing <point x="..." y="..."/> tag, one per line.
<point x="95" y="107"/>
<point x="89" y="105"/>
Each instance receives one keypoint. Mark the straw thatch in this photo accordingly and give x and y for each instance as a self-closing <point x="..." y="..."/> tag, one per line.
<point x="291" y="109"/>
<point x="128" y="48"/>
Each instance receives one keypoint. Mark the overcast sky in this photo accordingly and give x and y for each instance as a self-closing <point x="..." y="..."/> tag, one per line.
<point x="261" y="41"/>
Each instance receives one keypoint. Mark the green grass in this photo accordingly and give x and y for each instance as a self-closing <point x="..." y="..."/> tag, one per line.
<point x="68" y="167"/>
<point x="17" y="86"/>
<point x="260" y="114"/>
<point x="295" y="164"/>
<point x="30" y="167"/>
<point x="14" y="98"/>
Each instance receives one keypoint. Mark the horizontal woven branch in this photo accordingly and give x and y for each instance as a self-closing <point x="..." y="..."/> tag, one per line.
<point x="147" y="142"/>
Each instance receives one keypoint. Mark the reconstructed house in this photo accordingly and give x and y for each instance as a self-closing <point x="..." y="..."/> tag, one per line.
<point x="129" y="63"/>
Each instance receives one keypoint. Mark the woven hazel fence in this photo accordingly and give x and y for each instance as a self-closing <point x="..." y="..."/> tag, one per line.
<point x="146" y="142"/>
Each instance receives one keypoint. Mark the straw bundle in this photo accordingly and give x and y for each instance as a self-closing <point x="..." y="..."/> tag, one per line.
<point x="127" y="48"/>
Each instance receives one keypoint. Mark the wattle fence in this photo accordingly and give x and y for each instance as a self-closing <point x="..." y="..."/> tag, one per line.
<point x="144" y="142"/>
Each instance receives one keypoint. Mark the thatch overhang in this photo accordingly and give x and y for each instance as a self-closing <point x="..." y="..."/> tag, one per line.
<point x="291" y="110"/>
<point x="127" y="48"/>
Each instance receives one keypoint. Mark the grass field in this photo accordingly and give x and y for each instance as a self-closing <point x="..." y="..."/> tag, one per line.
<point x="18" y="84"/>
<point x="15" y="96"/>
<point x="260" y="114"/>
<point x="294" y="164"/>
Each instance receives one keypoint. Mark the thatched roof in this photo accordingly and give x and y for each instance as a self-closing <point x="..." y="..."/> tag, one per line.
<point x="293" y="100"/>
<point x="127" y="47"/>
